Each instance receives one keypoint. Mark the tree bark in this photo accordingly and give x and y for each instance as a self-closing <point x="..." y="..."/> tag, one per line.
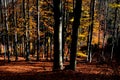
<point x="115" y="31"/>
<point x="15" y="40"/>
<point x="58" y="65"/>
<point x="7" y="29"/>
<point x="27" y="33"/>
<point x="76" y="23"/>
<point x="90" y="31"/>
<point x="38" y="30"/>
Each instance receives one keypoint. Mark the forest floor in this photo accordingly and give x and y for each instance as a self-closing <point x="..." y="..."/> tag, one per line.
<point x="33" y="70"/>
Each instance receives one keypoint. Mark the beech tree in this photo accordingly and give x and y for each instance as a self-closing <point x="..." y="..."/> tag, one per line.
<point x="58" y="63"/>
<point x="77" y="15"/>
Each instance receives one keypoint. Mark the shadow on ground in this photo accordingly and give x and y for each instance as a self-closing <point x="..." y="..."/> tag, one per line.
<point x="33" y="70"/>
<point x="59" y="75"/>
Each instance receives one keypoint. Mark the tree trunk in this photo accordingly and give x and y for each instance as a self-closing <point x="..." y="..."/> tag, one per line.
<point x="58" y="65"/>
<point x="6" y="25"/>
<point x="15" y="41"/>
<point x="27" y="33"/>
<point x="63" y="29"/>
<point x="15" y="33"/>
<point x="115" y="31"/>
<point x="105" y="12"/>
<point x="90" y="32"/>
<point x="76" y="23"/>
<point x="23" y="24"/>
<point x="1" y="14"/>
<point x="1" y="22"/>
<point x="38" y="30"/>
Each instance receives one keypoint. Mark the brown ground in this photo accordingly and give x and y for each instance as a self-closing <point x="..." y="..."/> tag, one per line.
<point x="33" y="70"/>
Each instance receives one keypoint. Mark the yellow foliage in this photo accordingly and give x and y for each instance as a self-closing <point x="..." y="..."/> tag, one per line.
<point x="68" y="38"/>
<point x="114" y="5"/>
<point x="81" y="54"/>
<point x="81" y="35"/>
<point x="71" y="20"/>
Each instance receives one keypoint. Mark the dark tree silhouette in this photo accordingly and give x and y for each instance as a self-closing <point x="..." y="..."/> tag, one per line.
<point x="57" y="31"/>
<point x="27" y="32"/>
<point x="115" y="39"/>
<point x="115" y="30"/>
<point x="76" y="23"/>
<point x="1" y="18"/>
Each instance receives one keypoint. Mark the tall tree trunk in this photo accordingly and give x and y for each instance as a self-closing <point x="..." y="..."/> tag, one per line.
<point x="1" y="22"/>
<point x="38" y="30"/>
<point x="1" y="14"/>
<point x="3" y="28"/>
<point x="105" y="12"/>
<point x="115" y="30"/>
<point x="24" y="23"/>
<point x="7" y="29"/>
<point x="27" y="33"/>
<point x="58" y="64"/>
<point x="15" y="39"/>
<point x="90" y="32"/>
<point x="15" y="33"/>
<point x="99" y="31"/>
<point x="76" y="23"/>
<point x="63" y="29"/>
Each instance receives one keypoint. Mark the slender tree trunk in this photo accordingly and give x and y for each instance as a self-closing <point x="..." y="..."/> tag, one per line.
<point x="47" y="48"/>
<point x="1" y="14"/>
<point x="1" y="22"/>
<point x="3" y="28"/>
<point x="63" y="29"/>
<point x="27" y="33"/>
<point x="58" y="63"/>
<point x="15" y="33"/>
<point x="15" y="40"/>
<point x="38" y="30"/>
<point x="105" y="27"/>
<point x="99" y="31"/>
<point x="51" y="48"/>
<point x="44" y="46"/>
<point x="24" y="23"/>
<point x="89" y="58"/>
<point x="115" y="30"/>
<point x="76" y="23"/>
<point x="7" y="29"/>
